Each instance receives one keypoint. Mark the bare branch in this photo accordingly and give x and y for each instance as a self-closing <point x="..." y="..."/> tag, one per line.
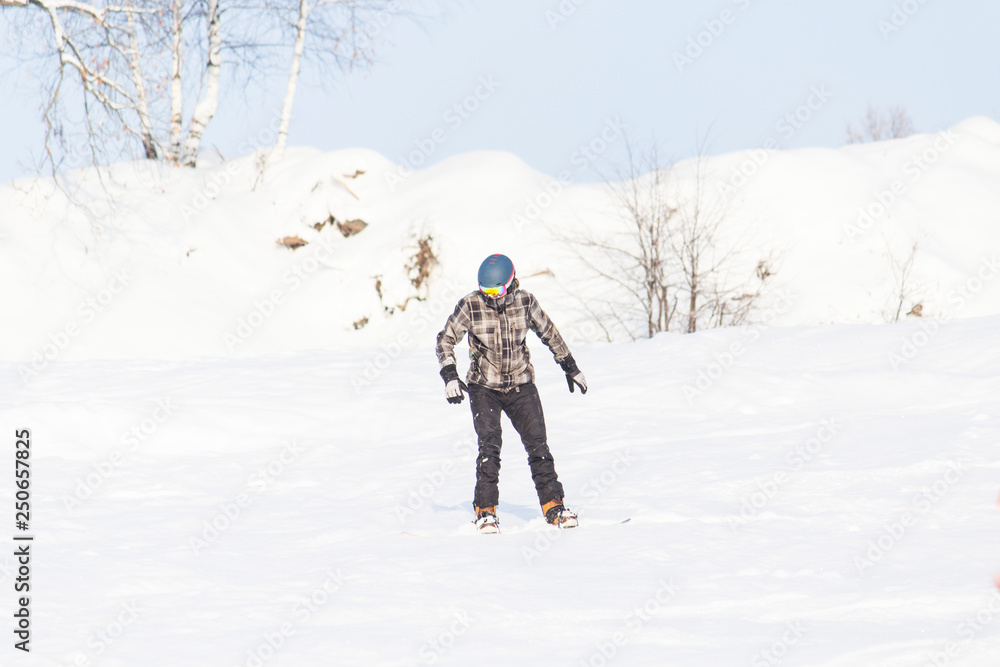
<point x="904" y="289"/>
<point x="876" y="126"/>
<point x="665" y="250"/>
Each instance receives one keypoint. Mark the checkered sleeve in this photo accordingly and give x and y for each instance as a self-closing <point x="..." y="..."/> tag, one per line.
<point x="546" y="330"/>
<point x="454" y="330"/>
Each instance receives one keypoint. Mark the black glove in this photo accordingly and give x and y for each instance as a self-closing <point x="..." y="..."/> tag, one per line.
<point x="453" y="387"/>
<point x="573" y="375"/>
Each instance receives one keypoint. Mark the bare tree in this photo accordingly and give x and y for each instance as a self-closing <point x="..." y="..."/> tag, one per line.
<point x="176" y="80"/>
<point x="115" y="74"/>
<point x="293" y="75"/>
<point x="706" y="260"/>
<point x="649" y="213"/>
<point x="879" y="126"/>
<point x="900" y="123"/>
<point x="904" y="288"/>
<point x="694" y="244"/>
<point x="339" y="35"/>
<point x="115" y="56"/>
<point x="205" y="109"/>
<point x="101" y="48"/>
<point x="664" y="249"/>
<point x="630" y="277"/>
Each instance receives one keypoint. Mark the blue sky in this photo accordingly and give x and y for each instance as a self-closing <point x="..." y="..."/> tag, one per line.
<point x="559" y="71"/>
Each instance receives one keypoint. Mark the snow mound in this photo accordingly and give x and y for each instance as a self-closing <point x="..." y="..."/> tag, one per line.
<point x="185" y="263"/>
<point x="985" y="128"/>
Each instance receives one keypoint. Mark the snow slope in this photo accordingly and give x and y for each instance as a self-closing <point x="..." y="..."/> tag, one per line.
<point x="811" y="503"/>
<point x="186" y="263"/>
<point x="227" y="472"/>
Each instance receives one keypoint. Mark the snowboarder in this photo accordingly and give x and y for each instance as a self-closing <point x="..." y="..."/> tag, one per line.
<point x="497" y="318"/>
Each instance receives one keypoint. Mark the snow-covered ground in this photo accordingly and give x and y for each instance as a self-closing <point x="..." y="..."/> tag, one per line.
<point x="818" y="501"/>
<point x="227" y="472"/>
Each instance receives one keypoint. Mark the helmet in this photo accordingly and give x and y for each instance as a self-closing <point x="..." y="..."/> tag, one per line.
<point x="496" y="274"/>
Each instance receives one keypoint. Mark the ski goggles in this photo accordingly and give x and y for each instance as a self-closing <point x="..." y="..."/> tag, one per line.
<point x="494" y="292"/>
<point x="499" y="290"/>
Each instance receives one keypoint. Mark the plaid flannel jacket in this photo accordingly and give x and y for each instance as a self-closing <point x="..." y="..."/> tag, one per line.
<point x="497" y="330"/>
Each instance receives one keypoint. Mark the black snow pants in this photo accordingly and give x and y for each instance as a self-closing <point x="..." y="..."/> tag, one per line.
<point x="524" y="409"/>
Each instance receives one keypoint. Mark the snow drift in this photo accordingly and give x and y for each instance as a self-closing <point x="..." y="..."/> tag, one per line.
<point x="185" y="263"/>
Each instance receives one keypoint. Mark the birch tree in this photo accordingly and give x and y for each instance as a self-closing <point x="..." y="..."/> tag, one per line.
<point x="100" y="47"/>
<point x="121" y="74"/>
<point x="127" y="63"/>
<point x="293" y="75"/>
<point x="134" y="58"/>
<point x="205" y="109"/>
<point x="339" y="32"/>
<point x="176" y="82"/>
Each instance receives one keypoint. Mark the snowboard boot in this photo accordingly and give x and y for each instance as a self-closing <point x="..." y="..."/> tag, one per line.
<point x="557" y="515"/>
<point x="486" y="520"/>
